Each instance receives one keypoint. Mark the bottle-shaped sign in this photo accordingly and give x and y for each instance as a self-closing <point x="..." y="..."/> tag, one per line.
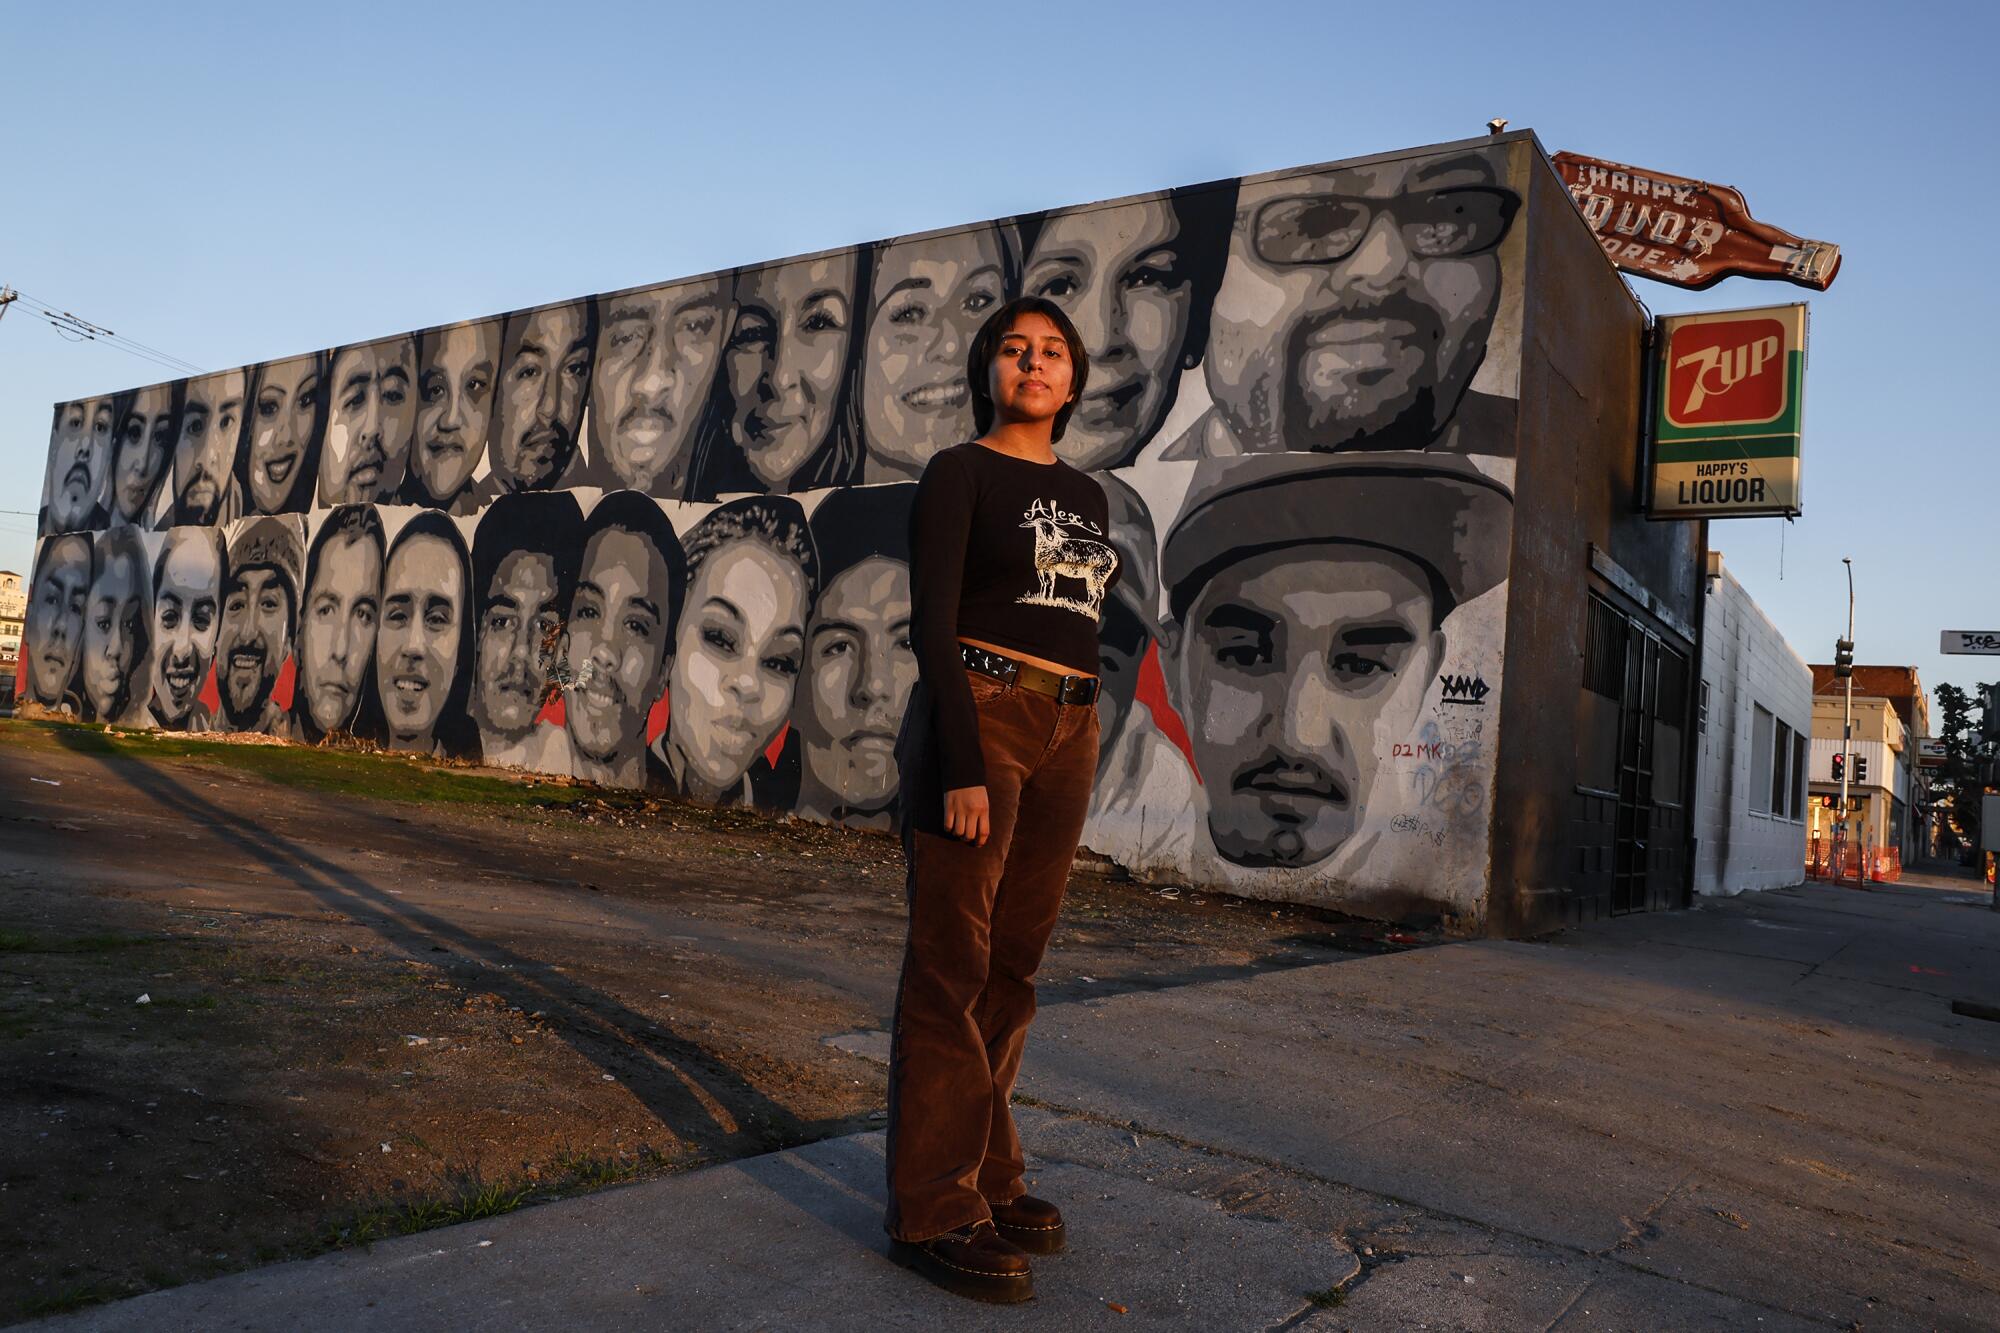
<point x="1687" y="232"/>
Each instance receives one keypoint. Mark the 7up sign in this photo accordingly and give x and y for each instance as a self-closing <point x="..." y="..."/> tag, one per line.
<point x="1725" y="429"/>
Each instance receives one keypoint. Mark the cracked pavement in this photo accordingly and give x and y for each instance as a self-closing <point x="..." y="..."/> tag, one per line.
<point x="1758" y="1113"/>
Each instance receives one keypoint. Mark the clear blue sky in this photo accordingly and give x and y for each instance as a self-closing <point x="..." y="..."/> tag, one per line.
<point x="233" y="182"/>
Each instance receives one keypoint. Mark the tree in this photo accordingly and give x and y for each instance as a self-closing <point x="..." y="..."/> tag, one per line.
<point x="1968" y="753"/>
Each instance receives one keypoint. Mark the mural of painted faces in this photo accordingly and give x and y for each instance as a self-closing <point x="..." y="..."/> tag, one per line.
<point x="340" y="613"/>
<point x="1122" y="275"/>
<point x="80" y="451"/>
<point x="621" y="625"/>
<point x="145" y="442"/>
<point x="524" y="559"/>
<point x="787" y="360"/>
<point x="656" y="356"/>
<point x="458" y="368"/>
<point x="115" y="625"/>
<point x="187" y="619"/>
<point x="741" y="644"/>
<point x="424" y="631"/>
<point x="259" y="610"/>
<point x="212" y="431"/>
<point x="545" y="360"/>
<point x="285" y="419"/>
<point x="860" y="668"/>
<point x="929" y="298"/>
<point x="371" y="416"/>
<point x="54" y="629"/>
<point x="1356" y="305"/>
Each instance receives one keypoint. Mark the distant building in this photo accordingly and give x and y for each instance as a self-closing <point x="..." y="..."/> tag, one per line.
<point x="13" y="614"/>
<point x="1891" y="713"/>
<point x="1754" y="715"/>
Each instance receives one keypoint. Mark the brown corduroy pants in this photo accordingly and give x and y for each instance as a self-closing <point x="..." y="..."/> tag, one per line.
<point x="980" y="919"/>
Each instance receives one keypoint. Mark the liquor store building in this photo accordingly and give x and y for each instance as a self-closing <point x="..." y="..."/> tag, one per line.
<point x="1393" y="637"/>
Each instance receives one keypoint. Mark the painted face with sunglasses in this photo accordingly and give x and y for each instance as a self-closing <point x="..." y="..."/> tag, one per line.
<point x="1355" y="307"/>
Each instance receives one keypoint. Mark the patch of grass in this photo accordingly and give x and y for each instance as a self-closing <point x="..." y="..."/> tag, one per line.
<point x="468" y="1199"/>
<point x="1329" y="1299"/>
<point x="15" y="941"/>
<point x="576" y="1171"/>
<point x="392" y="777"/>
<point x="71" y="1298"/>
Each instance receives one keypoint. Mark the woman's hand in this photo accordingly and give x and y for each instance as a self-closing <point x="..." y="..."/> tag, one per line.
<point x="966" y="814"/>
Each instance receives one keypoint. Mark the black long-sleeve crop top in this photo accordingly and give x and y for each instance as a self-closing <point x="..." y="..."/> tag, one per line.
<point x="1010" y="552"/>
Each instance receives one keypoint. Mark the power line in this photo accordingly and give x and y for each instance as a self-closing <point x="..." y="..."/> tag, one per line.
<point x="77" y="329"/>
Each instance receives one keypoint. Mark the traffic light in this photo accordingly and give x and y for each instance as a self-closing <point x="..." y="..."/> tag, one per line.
<point x="1861" y="768"/>
<point x="1843" y="657"/>
<point x="1839" y="766"/>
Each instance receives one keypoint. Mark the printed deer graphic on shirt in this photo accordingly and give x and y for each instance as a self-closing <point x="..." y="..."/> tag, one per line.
<point x="1059" y="555"/>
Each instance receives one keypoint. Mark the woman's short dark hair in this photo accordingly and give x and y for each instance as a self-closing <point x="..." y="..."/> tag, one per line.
<point x="986" y="346"/>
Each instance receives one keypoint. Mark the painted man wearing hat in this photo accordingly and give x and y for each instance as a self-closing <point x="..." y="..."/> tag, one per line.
<point x="260" y="601"/>
<point x="1138" y="769"/>
<point x="1308" y="596"/>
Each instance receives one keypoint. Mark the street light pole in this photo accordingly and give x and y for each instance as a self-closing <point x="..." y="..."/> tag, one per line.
<point x="1847" y="719"/>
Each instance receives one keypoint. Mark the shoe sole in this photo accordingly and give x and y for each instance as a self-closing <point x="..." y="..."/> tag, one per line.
<point x="1035" y="1240"/>
<point x="993" y="1288"/>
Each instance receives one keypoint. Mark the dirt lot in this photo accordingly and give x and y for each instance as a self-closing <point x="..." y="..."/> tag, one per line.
<point x="247" y="1013"/>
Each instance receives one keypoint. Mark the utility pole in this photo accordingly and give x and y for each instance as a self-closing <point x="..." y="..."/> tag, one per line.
<point x="7" y="297"/>
<point x="1843" y="665"/>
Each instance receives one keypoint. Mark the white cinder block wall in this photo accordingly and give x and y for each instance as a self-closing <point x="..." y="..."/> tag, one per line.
<point x="1745" y="663"/>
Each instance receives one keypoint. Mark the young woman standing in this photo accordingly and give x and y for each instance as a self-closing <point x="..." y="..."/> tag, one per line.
<point x="1010" y="564"/>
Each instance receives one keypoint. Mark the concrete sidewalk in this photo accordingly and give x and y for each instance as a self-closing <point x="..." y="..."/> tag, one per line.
<point x="1759" y="1113"/>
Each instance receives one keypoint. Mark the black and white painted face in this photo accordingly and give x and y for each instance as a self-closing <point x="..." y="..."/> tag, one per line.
<point x="737" y="659"/>
<point x="340" y="616"/>
<point x="54" y="629"/>
<point x="80" y="460"/>
<point x="205" y="454"/>
<point x="145" y="440"/>
<point x="929" y="299"/>
<point x="370" y="420"/>
<point x="255" y="640"/>
<point x="416" y="648"/>
<point x="455" y="407"/>
<point x="1356" y="303"/>
<point x="860" y="667"/>
<point x="187" y="618"/>
<point x="283" y="420"/>
<point x="521" y="620"/>
<point x="114" y="640"/>
<point x="544" y="382"/>
<point x="1299" y="668"/>
<point x="787" y="349"/>
<point x="1118" y="274"/>
<point x="656" y="357"/>
<point x="618" y="645"/>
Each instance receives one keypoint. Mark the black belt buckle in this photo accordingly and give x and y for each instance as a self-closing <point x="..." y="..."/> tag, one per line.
<point x="1077" y="690"/>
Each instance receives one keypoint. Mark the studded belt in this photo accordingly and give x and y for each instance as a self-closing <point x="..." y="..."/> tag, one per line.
<point x="1063" y="689"/>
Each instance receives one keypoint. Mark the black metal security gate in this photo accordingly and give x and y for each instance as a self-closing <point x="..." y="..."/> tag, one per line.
<point x="1630" y="831"/>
